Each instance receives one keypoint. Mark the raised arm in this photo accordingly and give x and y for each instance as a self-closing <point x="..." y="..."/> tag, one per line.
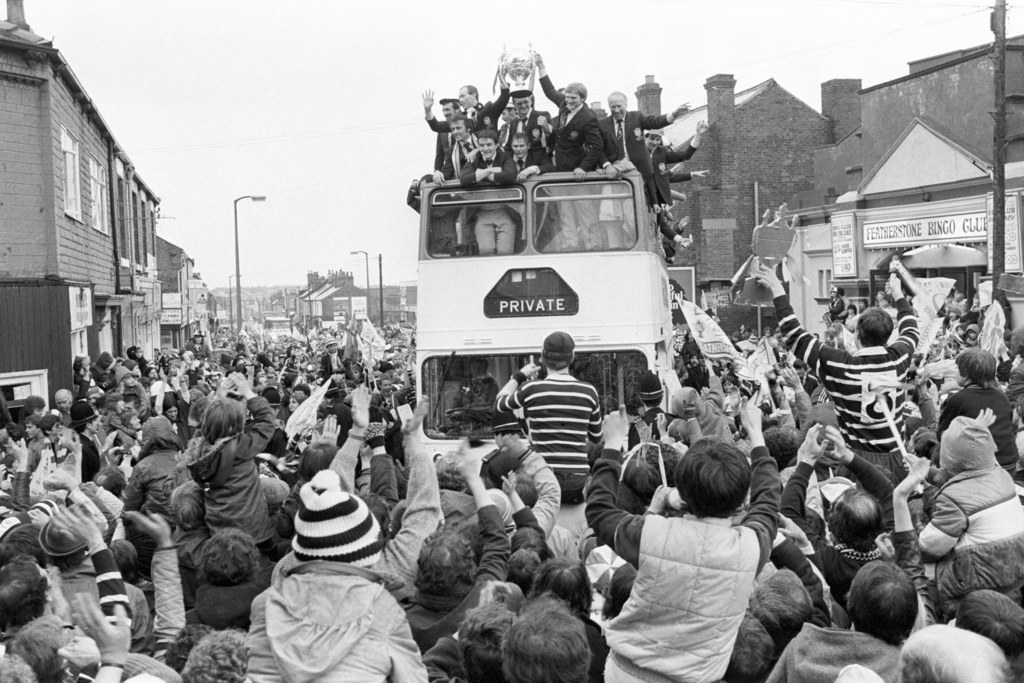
<point x="613" y="527"/>
<point x="344" y="462"/>
<point x="170" y="606"/>
<point x="545" y="83"/>
<point x="549" y="492"/>
<point x="763" y="511"/>
<point x="800" y="342"/>
<point x="423" y="514"/>
<point x="496" y="551"/>
<point x="870" y="477"/>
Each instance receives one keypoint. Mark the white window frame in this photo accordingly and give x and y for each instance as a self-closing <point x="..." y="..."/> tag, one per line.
<point x="72" y="175"/>
<point x="98" y="182"/>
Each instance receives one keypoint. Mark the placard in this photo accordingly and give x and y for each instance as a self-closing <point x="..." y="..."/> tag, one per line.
<point x="1013" y="260"/>
<point x="170" y="316"/>
<point x="81" y="307"/>
<point x="844" y="252"/>
<point x="683" y="286"/>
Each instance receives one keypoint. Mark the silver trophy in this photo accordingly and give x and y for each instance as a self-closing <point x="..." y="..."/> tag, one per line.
<point x="517" y="66"/>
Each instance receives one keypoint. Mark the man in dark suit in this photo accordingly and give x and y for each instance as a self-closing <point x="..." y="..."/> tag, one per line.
<point x="481" y="115"/>
<point x="577" y="138"/>
<point x="449" y="107"/>
<point x="577" y="146"/>
<point x="661" y="157"/>
<point x="535" y="125"/>
<point x="494" y="226"/>
<point x="623" y="136"/>
<point x="463" y="143"/>
<point x="488" y="164"/>
<point x="529" y="161"/>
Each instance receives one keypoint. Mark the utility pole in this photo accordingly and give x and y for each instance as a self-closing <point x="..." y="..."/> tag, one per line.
<point x="380" y="286"/>
<point x="998" y="226"/>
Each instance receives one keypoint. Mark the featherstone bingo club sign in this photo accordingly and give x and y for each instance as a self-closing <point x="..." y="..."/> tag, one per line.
<point x="964" y="227"/>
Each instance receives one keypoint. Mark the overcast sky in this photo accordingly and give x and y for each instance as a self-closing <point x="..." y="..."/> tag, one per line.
<point x="316" y="104"/>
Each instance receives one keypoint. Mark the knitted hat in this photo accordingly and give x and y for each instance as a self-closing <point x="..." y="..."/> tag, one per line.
<point x="650" y="387"/>
<point x="121" y="372"/>
<point x="966" y="445"/>
<point x="334" y="525"/>
<point x="559" y="342"/>
<point x="82" y="413"/>
<point x="274" y="490"/>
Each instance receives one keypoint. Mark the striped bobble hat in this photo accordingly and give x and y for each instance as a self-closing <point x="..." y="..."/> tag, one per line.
<point x="334" y="525"/>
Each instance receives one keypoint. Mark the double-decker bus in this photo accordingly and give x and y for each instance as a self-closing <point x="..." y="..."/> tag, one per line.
<point x="501" y="267"/>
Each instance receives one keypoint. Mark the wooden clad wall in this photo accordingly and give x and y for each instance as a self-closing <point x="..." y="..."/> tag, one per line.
<point x="35" y="331"/>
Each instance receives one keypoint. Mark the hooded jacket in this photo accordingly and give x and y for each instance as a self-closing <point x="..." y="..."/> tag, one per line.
<point x="227" y="471"/>
<point x="977" y="528"/>
<point x="146" y="491"/>
<point x="710" y="416"/>
<point x="331" y="622"/>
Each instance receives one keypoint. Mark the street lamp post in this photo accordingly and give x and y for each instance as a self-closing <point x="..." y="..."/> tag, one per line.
<point x="231" y="305"/>
<point x="367" y="280"/>
<point x="238" y="267"/>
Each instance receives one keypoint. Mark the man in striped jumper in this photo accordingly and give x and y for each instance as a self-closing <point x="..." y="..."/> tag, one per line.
<point x="562" y="413"/>
<point x="856" y="380"/>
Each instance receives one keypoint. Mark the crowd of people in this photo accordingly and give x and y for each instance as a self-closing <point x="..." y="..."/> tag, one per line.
<point x="510" y="139"/>
<point x="276" y="515"/>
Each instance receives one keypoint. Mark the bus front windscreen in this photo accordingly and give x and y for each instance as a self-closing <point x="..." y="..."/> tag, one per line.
<point x="462" y="388"/>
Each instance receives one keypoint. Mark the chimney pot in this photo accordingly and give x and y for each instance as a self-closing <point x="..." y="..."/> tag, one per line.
<point x="649" y="79"/>
<point x="16" y="14"/>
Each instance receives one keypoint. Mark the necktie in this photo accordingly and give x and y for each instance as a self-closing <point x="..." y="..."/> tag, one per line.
<point x="619" y="138"/>
<point x="520" y="164"/>
<point x="521" y="126"/>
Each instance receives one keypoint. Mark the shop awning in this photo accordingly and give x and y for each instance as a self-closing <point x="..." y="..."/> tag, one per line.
<point x="944" y="256"/>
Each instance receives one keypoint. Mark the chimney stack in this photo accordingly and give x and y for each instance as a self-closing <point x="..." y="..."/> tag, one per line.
<point x="648" y="97"/>
<point x="16" y="14"/>
<point x="840" y="104"/>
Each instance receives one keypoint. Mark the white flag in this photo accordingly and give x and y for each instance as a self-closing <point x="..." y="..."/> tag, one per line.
<point x="370" y="343"/>
<point x="928" y="299"/>
<point x="304" y="417"/>
<point x="991" y="338"/>
<point x="714" y="343"/>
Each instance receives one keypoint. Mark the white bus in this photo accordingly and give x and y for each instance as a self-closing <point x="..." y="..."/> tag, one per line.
<point x="580" y="257"/>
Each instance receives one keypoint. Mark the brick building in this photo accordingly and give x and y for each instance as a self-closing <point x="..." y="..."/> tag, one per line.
<point x="908" y="175"/>
<point x="185" y="298"/>
<point x="759" y="151"/>
<point x="77" y="223"/>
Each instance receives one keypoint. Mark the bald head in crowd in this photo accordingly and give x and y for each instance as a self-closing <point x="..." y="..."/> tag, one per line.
<point x="946" y="654"/>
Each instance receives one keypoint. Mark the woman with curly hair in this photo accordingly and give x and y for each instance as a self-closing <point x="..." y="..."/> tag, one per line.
<point x="220" y="657"/>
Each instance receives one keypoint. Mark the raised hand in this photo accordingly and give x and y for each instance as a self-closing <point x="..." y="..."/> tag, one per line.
<point x="112" y="640"/>
<point x="986" y="418"/>
<point x="843" y="453"/>
<point x="428" y="100"/>
<point x="330" y="431"/>
<point x="153" y="525"/>
<point x="765" y="275"/>
<point x="468" y="462"/>
<point x="361" y="407"/>
<point x="77" y="522"/>
<point x="616" y="429"/>
<point x="918" y="471"/>
<point x="413" y="425"/>
<point x="750" y="416"/>
<point x="812" y="448"/>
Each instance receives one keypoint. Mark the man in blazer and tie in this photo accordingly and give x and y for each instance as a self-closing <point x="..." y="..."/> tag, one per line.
<point x="528" y="161"/>
<point x="449" y="107"/>
<point x="496" y="226"/>
<point x="463" y="143"/>
<point x="535" y="125"/>
<point x="481" y="115"/>
<point x="577" y="149"/>
<point x="623" y="136"/>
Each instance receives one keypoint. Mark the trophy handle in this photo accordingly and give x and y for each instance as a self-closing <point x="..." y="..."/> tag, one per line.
<point x="533" y="66"/>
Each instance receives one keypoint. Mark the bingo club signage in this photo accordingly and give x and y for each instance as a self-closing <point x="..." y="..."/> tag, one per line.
<point x="531" y="292"/>
<point x="964" y="227"/>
